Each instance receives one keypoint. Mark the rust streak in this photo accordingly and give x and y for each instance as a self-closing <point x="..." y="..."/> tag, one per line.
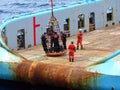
<point x="22" y="70"/>
<point x="69" y="77"/>
<point x="31" y="70"/>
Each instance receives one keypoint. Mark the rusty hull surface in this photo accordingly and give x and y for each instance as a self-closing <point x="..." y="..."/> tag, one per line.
<point x="54" y="75"/>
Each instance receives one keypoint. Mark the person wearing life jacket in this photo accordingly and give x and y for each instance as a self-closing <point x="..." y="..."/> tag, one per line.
<point x="72" y="49"/>
<point x="56" y="42"/>
<point x="52" y="40"/>
<point x="63" y="38"/>
<point x="43" y="42"/>
<point x="79" y="39"/>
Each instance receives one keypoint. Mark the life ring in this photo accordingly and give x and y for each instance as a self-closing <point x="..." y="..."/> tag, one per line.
<point x="54" y="54"/>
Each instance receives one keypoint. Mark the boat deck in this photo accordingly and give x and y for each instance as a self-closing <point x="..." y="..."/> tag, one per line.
<point x="98" y="45"/>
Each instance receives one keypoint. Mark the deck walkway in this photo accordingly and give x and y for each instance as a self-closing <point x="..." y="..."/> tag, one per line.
<point x="98" y="45"/>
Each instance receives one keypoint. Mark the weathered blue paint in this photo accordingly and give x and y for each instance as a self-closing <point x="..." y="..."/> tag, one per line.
<point x="111" y="65"/>
<point x="5" y="72"/>
<point x="112" y="56"/>
<point x="110" y="73"/>
<point x="103" y="82"/>
<point x="7" y="58"/>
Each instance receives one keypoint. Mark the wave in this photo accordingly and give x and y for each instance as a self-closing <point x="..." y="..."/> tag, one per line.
<point x="15" y="7"/>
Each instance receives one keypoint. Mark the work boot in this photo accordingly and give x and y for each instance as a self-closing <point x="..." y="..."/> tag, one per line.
<point x="72" y="60"/>
<point x="82" y="47"/>
<point x="77" y="47"/>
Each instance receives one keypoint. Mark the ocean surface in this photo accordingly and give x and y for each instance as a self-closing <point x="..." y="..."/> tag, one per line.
<point x="10" y="8"/>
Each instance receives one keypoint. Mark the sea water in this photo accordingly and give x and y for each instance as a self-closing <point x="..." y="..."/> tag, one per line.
<point x="9" y="8"/>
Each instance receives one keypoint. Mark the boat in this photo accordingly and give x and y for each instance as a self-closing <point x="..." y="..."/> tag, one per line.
<point x="15" y="67"/>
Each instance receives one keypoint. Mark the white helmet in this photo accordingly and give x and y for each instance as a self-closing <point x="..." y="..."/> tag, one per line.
<point x="80" y="29"/>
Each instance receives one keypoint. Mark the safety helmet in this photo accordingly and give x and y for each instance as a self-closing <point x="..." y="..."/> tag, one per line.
<point x="72" y="41"/>
<point x="80" y="29"/>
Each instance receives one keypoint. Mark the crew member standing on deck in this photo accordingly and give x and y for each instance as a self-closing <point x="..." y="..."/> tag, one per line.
<point x="79" y="39"/>
<point x="43" y="41"/>
<point x="72" y="49"/>
<point x="52" y="41"/>
<point x="63" y="38"/>
<point x="56" y="42"/>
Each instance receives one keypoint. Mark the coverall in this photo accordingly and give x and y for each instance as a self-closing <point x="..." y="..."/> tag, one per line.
<point x="43" y="41"/>
<point x="56" y="42"/>
<point x="63" y="38"/>
<point x="79" y="40"/>
<point x="71" y="48"/>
